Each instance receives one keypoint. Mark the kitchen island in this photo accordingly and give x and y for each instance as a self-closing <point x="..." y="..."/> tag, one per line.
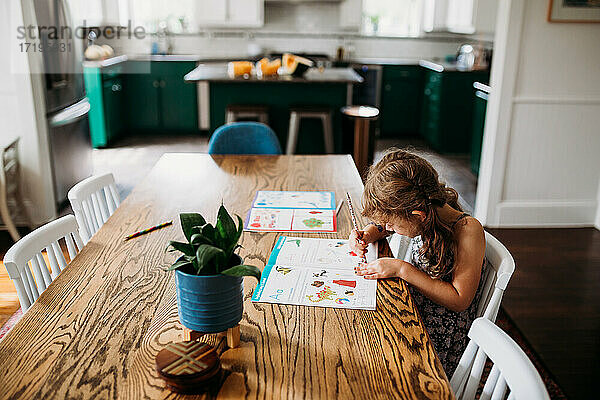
<point x="328" y="87"/>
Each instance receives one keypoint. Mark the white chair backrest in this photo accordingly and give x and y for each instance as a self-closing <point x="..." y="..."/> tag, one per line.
<point x="26" y="265"/>
<point x="512" y="370"/>
<point x="496" y="278"/>
<point x="93" y="200"/>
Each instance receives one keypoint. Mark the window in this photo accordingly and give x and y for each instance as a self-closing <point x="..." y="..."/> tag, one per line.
<point x="392" y="17"/>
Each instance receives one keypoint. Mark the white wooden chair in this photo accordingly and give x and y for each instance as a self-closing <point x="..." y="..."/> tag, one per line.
<point x="93" y="200"/>
<point x="496" y="278"/>
<point x="26" y="265"/>
<point x="512" y="370"/>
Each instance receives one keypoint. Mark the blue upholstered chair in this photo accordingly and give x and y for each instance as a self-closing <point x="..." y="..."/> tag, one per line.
<point x="244" y="138"/>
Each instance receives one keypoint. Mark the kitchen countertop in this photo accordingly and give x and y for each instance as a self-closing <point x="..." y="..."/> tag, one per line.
<point x="147" y="57"/>
<point x="218" y="73"/>
<point x="105" y="63"/>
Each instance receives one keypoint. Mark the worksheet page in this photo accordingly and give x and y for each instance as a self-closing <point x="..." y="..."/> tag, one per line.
<point x="316" y="272"/>
<point x="281" y="211"/>
<point x="291" y="199"/>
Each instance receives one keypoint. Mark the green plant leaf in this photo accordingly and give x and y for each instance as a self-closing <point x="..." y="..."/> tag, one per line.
<point x="233" y="244"/>
<point x="198" y="238"/>
<point x="225" y="226"/>
<point x="190" y="220"/>
<point x="185" y="248"/>
<point x="209" y="232"/>
<point x="206" y="253"/>
<point x="243" y="270"/>
<point x="179" y="264"/>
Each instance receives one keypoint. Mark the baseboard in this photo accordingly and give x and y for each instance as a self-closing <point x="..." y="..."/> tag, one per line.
<point x="546" y="214"/>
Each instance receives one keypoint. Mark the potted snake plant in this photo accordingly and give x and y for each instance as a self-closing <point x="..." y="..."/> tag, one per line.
<point x="209" y="274"/>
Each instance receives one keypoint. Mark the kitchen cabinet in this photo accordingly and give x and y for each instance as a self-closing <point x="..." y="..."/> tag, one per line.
<point x="401" y="92"/>
<point x="230" y="13"/>
<point x="351" y="14"/>
<point x="142" y="96"/>
<point x="98" y="12"/>
<point x="447" y="108"/>
<point x="160" y="99"/>
<point x="105" y="92"/>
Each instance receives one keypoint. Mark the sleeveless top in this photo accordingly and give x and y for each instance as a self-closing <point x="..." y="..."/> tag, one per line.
<point x="446" y="328"/>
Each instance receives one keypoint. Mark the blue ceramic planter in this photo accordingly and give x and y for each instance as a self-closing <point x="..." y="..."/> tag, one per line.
<point x="209" y="304"/>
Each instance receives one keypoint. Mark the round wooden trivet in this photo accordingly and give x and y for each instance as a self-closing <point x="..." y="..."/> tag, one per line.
<point x="188" y="367"/>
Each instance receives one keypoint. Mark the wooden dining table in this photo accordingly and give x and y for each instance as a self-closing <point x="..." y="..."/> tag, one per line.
<point x="96" y="330"/>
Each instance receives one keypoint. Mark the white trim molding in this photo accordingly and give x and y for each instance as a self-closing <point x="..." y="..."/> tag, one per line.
<point x="597" y="221"/>
<point x="546" y="214"/>
<point x="498" y="119"/>
<point x="556" y="100"/>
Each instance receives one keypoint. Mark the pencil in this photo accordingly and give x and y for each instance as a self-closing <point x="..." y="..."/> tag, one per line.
<point x="154" y="228"/>
<point x="339" y="207"/>
<point x="354" y="223"/>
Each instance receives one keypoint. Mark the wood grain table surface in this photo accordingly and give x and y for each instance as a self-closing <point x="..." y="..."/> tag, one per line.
<point x="95" y="331"/>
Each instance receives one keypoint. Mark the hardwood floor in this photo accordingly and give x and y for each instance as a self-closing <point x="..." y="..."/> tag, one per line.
<point x="554" y="299"/>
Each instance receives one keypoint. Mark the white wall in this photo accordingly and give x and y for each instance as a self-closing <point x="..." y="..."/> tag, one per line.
<point x="18" y="108"/>
<point x="541" y="151"/>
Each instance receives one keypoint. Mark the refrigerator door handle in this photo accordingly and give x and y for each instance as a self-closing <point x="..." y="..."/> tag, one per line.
<point x="70" y="114"/>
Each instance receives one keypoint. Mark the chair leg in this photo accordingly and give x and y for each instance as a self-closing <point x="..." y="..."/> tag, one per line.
<point x="5" y="214"/>
<point x="327" y="133"/>
<point x="292" y="133"/>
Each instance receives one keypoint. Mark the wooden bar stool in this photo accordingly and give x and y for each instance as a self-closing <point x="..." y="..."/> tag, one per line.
<point x="362" y="116"/>
<point x="296" y="115"/>
<point x="234" y="112"/>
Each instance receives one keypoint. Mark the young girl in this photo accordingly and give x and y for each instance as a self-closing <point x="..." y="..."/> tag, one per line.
<point x="404" y="195"/>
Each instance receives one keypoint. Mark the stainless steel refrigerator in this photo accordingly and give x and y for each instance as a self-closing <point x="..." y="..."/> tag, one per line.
<point x="66" y="103"/>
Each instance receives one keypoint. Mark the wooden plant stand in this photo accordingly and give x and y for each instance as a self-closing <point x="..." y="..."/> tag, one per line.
<point x="232" y="334"/>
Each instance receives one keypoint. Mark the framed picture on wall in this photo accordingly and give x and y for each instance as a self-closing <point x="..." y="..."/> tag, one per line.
<point x="574" y="11"/>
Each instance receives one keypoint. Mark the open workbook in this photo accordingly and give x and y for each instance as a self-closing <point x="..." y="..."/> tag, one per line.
<point x="316" y="272"/>
<point x="292" y="211"/>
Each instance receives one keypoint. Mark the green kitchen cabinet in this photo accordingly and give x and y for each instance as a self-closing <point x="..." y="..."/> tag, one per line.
<point x="143" y="98"/>
<point x="159" y="98"/>
<point x="178" y="99"/>
<point x="105" y="92"/>
<point x="401" y="92"/>
<point x="447" y="109"/>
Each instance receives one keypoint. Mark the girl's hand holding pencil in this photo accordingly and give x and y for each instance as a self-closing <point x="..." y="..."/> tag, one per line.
<point x="359" y="240"/>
